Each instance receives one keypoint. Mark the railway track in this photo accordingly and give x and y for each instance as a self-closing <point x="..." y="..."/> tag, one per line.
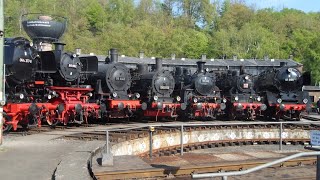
<point x="186" y="171"/>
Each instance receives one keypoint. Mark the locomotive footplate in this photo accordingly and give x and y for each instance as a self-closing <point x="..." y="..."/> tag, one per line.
<point x="162" y="109"/>
<point x="254" y="106"/>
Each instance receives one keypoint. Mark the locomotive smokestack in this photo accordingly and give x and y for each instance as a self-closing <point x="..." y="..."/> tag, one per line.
<point x="201" y="66"/>
<point x="113" y="55"/>
<point x="142" y="68"/>
<point x="58" y="46"/>
<point x="141" y="54"/>
<point x="158" y="64"/>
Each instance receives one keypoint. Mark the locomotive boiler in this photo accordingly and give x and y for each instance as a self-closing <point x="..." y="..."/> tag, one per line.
<point x="112" y="84"/>
<point x="198" y="92"/>
<point x="282" y="90"/>
<point x="156" y="88"/>
<point x="239" y="95"/>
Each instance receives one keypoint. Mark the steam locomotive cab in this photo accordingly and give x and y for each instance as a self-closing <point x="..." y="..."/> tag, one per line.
<point x="156" y="90"/>
<point x="282" y="91"/>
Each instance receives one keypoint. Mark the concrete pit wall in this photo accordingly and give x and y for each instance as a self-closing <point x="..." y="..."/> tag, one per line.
<point x="141" y="145"/>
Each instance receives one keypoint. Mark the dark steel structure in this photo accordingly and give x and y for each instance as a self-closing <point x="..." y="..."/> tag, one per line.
<point x="239" y="95"/>
<point x="282" y="92"/>
<point x="156" y="88"/>
<point x="199" y="94"/>
<point x="112" y="84"/>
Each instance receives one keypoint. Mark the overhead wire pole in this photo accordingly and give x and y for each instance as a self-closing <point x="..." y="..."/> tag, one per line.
<point x="1" y="68"/>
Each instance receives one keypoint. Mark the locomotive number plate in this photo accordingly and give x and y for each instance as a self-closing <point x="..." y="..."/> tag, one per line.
<point x="205" y="81"/>
<point x="164" y="87"/>
<point x="289" y="79"/>
<point x="25" y="60"/>
<point x="120" y="78"/>
<point x="72" y="66"/>
<point x="246" y="85"/>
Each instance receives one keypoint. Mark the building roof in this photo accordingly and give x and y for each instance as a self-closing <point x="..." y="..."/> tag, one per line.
<point x="210" y="62"/>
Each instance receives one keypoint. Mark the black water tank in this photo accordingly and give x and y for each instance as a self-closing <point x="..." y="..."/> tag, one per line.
<point x="44" y="28"/>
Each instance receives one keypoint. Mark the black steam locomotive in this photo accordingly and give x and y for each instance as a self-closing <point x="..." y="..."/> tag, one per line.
<point x="112" y="84"/>
<point x="239" y="95"/>
<point x="43" y="84"/>
<point x="199" y="94"/>
<point x="282" y="92"/>
<point x="156" y="88"/>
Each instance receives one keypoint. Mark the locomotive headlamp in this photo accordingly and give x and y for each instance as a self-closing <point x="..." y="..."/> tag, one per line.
<point x="49" y="96"/>
<point x="54" y="93"/>
<point x="279" y="100"/>
<point x="74" y="55"/>
<point x="114" y="94"/>
<point x="305" y="101"/>
<point x="259" y="98"/>
<point x="178" y="98"/>
<point x="195" y="100"/>
<point x="236" y="98"/>
<point x="263" y="107"/>
<point x="224" y="100"/>
<point x="239" y="106"/>
<point x="137" y="95"/>
<point x="155" y="98"/>
<point x="246" y="77"/>
<point x="2" y="103"/>
<point x="21" y="96"/>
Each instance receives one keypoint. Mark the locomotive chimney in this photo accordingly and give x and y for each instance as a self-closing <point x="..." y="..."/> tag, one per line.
<point x="113" y="55"/>
<point x="203" y="57"/>
<point x="142" y="68"/>
<point x="58" y="46"/>
<point x="200" y="66"/>
<point x="141" y="54"/>
<point x="158" y="64"/>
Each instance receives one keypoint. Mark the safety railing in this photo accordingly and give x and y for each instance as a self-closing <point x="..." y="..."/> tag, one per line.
<point x="225" y="175"/>
<point x="152" y="128"/>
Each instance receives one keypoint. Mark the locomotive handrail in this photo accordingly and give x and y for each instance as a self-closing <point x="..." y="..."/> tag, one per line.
<point x="237" y="173"/>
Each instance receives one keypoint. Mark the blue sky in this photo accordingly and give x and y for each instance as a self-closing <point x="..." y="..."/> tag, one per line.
<point x="304" y="5"/>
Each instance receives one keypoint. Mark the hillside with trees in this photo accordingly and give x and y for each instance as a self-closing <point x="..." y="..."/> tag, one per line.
<point x="186" y="28"/>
